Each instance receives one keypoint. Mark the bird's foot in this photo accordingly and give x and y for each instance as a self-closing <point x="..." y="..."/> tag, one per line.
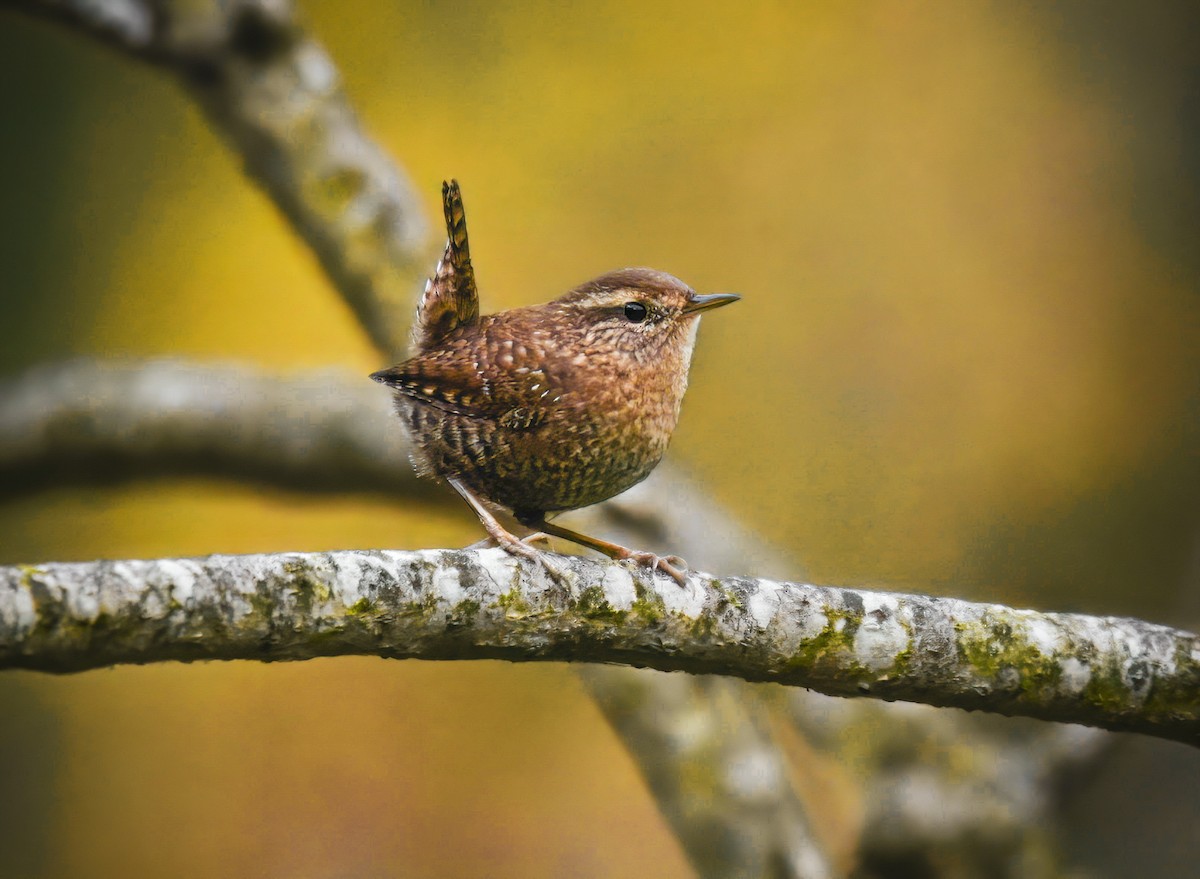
<point x="506" y="540"/>
<point x="521" y="549"/>
<point x="672" y="565"/>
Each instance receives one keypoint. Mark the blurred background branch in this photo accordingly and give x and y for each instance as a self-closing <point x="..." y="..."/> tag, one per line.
<point x="89" y="421"/>
<point x="951" y="793"/>
<point x="274" y="93"/>
<point x="707" y="752"/>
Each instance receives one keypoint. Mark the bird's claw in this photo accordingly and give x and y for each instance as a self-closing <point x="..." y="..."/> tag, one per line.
<point x="671" y="565"/>
<point x="522" y="549"/>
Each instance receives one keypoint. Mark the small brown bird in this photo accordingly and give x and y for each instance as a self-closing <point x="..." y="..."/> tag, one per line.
<point x="549" y="407"/>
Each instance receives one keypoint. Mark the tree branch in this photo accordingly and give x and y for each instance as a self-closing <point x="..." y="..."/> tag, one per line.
<point x="102" y="421"/>
<point x="707" y="754"/>
<point x="275" y="95"/>
<point x="1119" y="674"/>
<point x="973" y="796"/>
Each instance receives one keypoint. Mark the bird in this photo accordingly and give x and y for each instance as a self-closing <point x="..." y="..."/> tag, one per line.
<point x="546" y="408"/>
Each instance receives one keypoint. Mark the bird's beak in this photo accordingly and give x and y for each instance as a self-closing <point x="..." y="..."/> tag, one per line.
<point x="704" y="301"/>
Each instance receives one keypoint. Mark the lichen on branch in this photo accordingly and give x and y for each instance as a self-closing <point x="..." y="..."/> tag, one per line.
<point x="1119" y="674"/>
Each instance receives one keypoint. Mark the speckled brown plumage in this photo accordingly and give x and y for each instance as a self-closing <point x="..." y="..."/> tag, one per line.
<point x="549" y="407"/>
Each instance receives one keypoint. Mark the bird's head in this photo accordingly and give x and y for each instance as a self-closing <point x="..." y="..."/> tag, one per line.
<point x="640" y="313"/>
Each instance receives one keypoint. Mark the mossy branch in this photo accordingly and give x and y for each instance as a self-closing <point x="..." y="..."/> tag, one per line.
<point x="1119" y="674"/>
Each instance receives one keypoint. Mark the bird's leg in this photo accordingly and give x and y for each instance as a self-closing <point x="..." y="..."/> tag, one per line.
<point x="500" y="535"/>
<point x="672" y="565"/>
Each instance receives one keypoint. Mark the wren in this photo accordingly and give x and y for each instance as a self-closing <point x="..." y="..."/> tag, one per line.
<point x="549" y="407"/>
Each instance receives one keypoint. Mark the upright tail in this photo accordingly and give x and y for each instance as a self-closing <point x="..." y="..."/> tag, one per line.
<point x="450" y="298"/>
<point x="456" y="226"/>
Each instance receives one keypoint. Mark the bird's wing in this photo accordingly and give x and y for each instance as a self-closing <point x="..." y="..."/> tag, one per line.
<point x="447" y="380"/>
<point x="450" y="299"/>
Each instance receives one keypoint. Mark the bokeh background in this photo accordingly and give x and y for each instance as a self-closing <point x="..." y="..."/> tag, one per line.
<point x="966" y="362"/>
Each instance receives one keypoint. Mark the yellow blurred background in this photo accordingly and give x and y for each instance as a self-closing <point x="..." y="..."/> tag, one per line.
<point x="966" y="362"/>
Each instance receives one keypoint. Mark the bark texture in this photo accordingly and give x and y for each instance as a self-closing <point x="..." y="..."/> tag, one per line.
<point x="1119" y="674"/>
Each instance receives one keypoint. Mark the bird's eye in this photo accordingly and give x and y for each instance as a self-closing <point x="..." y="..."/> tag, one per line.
<point x="635" y="312"/>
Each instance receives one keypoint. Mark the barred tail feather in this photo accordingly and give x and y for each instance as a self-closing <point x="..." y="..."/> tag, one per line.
<point x="450" y="298"/>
